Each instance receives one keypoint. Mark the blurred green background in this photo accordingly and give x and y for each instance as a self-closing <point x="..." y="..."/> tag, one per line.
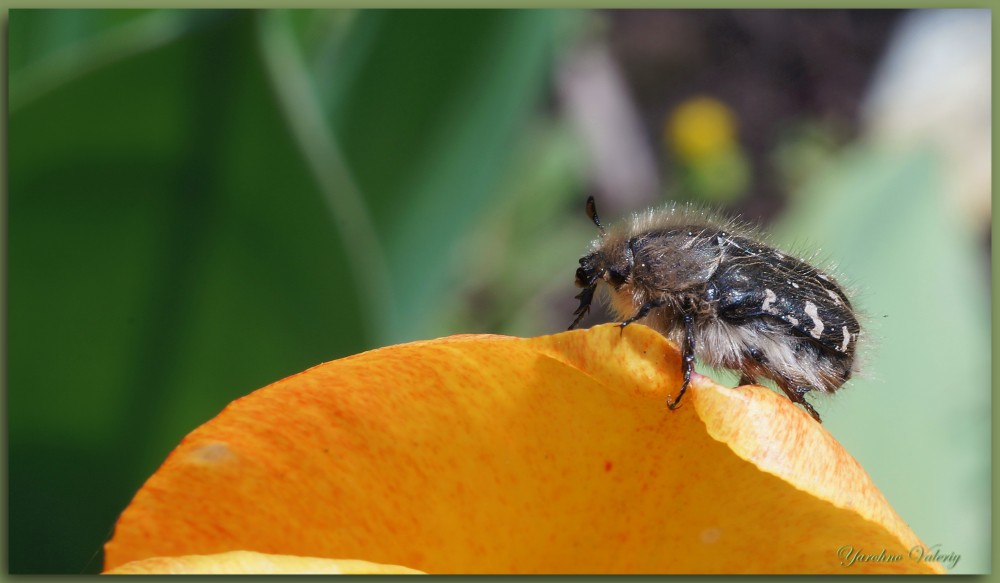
<point x="203" y="202"/>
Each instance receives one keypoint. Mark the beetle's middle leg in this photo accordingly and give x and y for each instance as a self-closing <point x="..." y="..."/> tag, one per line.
<point x="687" y="358"/>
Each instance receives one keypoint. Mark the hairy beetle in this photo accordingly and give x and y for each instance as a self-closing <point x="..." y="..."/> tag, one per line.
<point x="724" y="297"/>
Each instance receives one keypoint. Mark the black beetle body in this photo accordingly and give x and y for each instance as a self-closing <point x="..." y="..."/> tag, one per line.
<point x="725" y="298"/>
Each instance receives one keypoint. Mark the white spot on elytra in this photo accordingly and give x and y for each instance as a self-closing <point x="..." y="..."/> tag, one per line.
<point x="795" y="285"/>
<point x="768" y="306"/>
<point x="793" y="320"/>
<point x="836" y="298"/>
<point x="813" y="312"/>
<point x="847" y="339"/>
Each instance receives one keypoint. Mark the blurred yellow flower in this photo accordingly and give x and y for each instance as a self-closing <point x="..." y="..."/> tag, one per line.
<point x="711" y="164"/>
<point x="490" y="454"/>
<point x="700" y="128"/>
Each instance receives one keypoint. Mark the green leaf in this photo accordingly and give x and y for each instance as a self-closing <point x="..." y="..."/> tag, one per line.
<point x="177" y="232"/>
<point x="887" y="220"/>
<point x="427" y="107"/>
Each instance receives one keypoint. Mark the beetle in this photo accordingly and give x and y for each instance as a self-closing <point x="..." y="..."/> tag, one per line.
<point x="726" y="298"/>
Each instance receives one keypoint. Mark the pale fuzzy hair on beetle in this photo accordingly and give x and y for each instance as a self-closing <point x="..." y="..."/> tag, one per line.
<point x="724" y="296"/>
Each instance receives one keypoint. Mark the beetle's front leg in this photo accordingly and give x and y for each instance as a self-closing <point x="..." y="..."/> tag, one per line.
<point x="586" y="297"/>
<point x="650" y="305"/>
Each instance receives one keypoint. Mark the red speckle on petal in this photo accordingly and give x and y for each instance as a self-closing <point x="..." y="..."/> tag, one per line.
<point x="607" y="466"/>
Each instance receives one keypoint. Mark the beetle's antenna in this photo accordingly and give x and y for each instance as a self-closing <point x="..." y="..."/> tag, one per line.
<point x="592" y="213"/>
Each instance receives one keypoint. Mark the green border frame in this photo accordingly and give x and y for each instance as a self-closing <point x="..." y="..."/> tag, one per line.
<point x="704" y="4"/>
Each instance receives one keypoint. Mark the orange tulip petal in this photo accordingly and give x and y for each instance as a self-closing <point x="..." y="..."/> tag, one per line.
<point x="489" y="454"/>
<point x="250" y="563"/>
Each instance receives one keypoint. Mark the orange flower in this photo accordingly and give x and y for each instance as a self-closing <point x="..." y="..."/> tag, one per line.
<point x="489" y="454"/>
<point x="250" y="563"/>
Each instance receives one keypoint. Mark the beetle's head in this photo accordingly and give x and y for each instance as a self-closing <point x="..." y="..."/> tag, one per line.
<point x="598" y="265"/>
